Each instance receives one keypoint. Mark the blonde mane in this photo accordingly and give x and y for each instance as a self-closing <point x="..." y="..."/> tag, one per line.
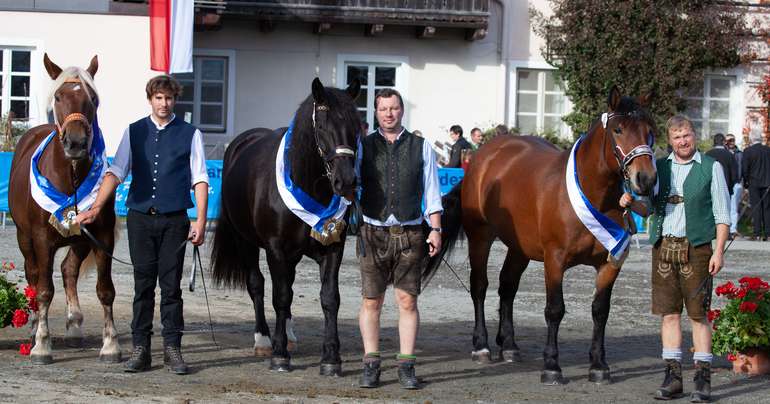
<point x="72" y="72"/>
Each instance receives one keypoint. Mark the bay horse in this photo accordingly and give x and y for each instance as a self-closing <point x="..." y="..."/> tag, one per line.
<point x="253" y="216"/>
<point x="65" y="162"/>
<point x="515" y="189"/>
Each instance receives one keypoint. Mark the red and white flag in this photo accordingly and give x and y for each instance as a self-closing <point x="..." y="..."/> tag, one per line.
<point x="171" y="35"/>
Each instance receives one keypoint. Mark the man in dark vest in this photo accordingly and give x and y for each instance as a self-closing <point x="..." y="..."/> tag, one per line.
<point x="460" y="144"/>
<point x="756" y="178"/>
<point x="165" y="156"/>
<point x="726" y="159"/>
<point x="689" y="210"/>
<point x="397" y="173"/>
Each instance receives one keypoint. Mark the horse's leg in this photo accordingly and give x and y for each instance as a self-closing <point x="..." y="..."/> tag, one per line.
<point x="282" y="271"/>
<point x="554" y="313"/>
<point x="30" y="273"/>
<point x="255" y="285"/>
<point x="510" y="275"/>
<point x="44" y="255"/>
<point x="600" y="310"/>
<point x="331" y="363"/>
<point x="70" y="270"/>
<point x="105" y="291"/>
<point x="478" y="250"/>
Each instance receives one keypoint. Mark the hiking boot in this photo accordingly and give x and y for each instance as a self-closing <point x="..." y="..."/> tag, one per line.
<point x="406" y="375"/>
<point x="140" y="360"/>
<point x="702" y="379"/>
<point x="172" y="358"/>
<point x="371" y="376"/>
<point x="672" y="382"/>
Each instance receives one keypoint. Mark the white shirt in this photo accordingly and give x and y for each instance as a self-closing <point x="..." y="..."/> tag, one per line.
<point x="121" y="164"/>
<point x="431" y="195"/>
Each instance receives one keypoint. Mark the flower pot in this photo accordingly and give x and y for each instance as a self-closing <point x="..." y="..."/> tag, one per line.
<point x="753" y="361"/>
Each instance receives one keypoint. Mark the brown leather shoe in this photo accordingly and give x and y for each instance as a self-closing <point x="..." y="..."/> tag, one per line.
<point x="672" y="382"/>
<point x="702" y="379"/>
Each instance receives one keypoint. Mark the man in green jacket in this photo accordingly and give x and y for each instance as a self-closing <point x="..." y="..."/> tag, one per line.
<point x="690" y="209"/>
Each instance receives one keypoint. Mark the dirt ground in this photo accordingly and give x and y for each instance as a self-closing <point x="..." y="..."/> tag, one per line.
<point x="230" y="373"/>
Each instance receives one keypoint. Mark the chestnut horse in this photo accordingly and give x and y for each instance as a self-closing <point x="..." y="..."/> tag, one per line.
<point x="515" y="189"/>
<point x="65" y="163"/>
<point x="253" y="215"/>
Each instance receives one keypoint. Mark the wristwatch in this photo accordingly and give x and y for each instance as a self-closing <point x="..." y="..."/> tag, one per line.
<point x="436" y="229"/>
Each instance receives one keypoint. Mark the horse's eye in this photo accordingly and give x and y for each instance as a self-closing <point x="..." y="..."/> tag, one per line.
<point x="618" y="131"/>
<point x="56" y="97"/>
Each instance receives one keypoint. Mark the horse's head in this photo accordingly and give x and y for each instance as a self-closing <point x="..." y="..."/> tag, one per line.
<point x="73" y="100"/>
<point x="633" y="133"/>
<point x="336" y="127"/>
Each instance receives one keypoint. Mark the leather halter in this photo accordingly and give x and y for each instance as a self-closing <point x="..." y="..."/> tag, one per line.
<point x="339" y="150"/>
<point x="624" y="159"/>
<point x="73" y="117"/>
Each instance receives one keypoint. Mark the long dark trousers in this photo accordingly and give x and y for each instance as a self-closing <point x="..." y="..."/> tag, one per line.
<point x="154" y="242"/>
<point x="760" y="212"/>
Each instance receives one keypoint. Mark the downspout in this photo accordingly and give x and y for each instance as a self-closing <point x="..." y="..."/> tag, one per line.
<point x="502" y="50"/>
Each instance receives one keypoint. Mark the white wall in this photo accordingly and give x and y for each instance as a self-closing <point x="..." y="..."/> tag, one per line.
<point x="121" y="43"/>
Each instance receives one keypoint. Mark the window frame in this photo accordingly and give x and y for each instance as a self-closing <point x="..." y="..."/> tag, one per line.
<point x="35" y="109"/>
<point x="705" y="117"/>
<point x="400" y="63"/>
<point x="540" y="113"/>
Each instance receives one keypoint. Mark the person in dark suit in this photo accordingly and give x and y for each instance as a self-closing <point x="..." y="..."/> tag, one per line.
<point x="756" y="178"/>
<point x="737" y="197"/>
<point x="455" y="155"/>
<point x="726" y="159"/>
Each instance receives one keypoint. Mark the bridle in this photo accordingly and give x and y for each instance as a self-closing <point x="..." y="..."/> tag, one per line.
<point x="624" y="159"/>
<point x="73" y="117"/>
<point x="339" y="151"/>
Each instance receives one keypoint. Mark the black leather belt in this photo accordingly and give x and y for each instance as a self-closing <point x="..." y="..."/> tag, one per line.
<point x="153" y="211"/>
<point x="396" y="229"/>
<point x="675" y="199"/>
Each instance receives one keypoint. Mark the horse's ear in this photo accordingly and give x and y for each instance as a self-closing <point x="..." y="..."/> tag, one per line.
<point x="354" y="88"/>
<point x="52" y="68"/>
<point x="93" y="67"/>
<point x="319" y="93"/>
<point x="646" y="100"/>
<point x="613" y="100"/>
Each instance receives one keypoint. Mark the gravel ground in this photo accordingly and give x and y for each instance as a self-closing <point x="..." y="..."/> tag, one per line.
<point x="230" y="373"/>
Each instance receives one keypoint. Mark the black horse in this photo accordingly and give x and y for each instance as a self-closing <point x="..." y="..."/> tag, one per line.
<point x="253" y="215"/>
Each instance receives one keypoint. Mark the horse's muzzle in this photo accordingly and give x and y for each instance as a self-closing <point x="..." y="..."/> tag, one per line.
<point x="643" y="183"/>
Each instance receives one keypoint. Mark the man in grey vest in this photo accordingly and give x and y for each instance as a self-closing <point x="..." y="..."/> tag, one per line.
<point x="689" y="210"/>
<point x="165" y="156"/>
<point x="397" y="172"/>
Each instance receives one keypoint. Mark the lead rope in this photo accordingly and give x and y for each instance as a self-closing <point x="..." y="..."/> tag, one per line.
<point x="198" y="264"/>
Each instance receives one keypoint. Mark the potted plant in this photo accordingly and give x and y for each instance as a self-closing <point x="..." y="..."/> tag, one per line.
<point x="742" y="327"/>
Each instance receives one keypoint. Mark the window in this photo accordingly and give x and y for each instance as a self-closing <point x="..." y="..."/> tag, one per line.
<point x="540" y="102"/>
<point x="203" y="102"/>
<point x="708" y="105"/>
<point x="15" y="76"/>
<point x="373" y="78"/>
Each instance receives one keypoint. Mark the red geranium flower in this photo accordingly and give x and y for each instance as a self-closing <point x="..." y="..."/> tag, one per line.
<point x="726" y="289"/>
<point x="731" y="357"/>
<point x="25" y="349"/>
<point x="748" y="307"/>
<point x="713" y="315"/>
<point x="741" y="293"/>
<point x="30" y="292"/>
<point x="33" y="305"/>
<point x="20" y="317"/>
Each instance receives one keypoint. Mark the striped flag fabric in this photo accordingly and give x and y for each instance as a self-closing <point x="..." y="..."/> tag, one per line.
<point x="171" y="35"/>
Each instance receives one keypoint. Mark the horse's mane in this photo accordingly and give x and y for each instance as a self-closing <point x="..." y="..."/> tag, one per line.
<point x="72" y="72"/>
<point x="342" y="110"/>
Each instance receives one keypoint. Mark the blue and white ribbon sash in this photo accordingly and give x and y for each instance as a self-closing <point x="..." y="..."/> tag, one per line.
<point x="300" y="203"/>
<point x="55" y="201"/>
<point x="610" y="234"/>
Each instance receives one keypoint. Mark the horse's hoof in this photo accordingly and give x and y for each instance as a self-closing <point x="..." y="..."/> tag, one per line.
<point x="553" y="378"/>
<point x="280" y="364"/>
<point x="41" y="359"/>
<point x="331" y="369"/>
<point x="73" y="342"/>
<point x="481" y="357"/>
<point x="263" y="351"/>
<point x="510" y="356"/>
<point x="110" y="358"/>
<point x="600" y="376"/>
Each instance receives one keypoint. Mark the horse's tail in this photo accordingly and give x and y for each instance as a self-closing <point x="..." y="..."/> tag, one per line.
<point x="451" y="223"/>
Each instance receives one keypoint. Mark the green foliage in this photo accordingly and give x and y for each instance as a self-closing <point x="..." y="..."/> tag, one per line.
<point x="662" y="47"/>
<point x="745" y="321"/>
<point x="11" y="299"/>
<point x="550" y="135"/>
<point x="8" y="140"/>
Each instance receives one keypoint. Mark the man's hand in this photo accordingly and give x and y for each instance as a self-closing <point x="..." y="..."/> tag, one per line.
<point x="626" y="200"/>
<point x="716" y="262"/>
<point x="197" y="232"/>
<point x="434" y="243"/>
<point x="88" y="216"/>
